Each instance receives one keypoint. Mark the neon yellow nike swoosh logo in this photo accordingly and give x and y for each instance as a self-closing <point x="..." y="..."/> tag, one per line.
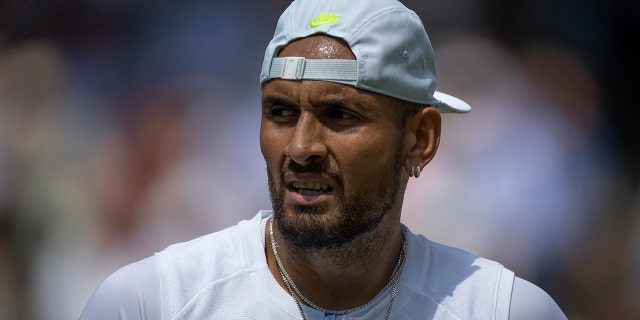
<point x="324" y="19"/>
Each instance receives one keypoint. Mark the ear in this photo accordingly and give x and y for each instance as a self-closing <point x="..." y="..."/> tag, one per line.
<point x="424" y="138"/>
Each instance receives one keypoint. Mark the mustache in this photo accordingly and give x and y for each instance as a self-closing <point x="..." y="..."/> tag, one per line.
<point x="313" y="167"/>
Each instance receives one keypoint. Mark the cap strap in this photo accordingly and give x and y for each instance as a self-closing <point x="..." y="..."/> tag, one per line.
<point x="297" y="68"/>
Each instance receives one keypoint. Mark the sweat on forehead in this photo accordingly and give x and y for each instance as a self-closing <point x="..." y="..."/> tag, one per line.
<point x="319" y="46"/>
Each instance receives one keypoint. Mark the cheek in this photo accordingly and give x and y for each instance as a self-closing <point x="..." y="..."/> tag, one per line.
<point x="272" y="146"/>
<point x="267" y="146"/>
<point x="365" y="165"/>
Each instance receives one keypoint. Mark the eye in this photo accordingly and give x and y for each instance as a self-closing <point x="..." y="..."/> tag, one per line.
<point x="341" y="118"/>
<point x="339" y="114"/>
<point x="281" y="114"/>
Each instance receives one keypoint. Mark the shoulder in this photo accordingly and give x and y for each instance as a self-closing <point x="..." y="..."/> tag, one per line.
<point x="451" y="265"/>
<point x="224" y="251"/>
<point x="186" y="269"/>
<point x="133" y="291"/>
<point x="474" y="287"/>
<point x="462" y="283"/>
<point x="170" y="278"/>
<point x="529" y="301"/>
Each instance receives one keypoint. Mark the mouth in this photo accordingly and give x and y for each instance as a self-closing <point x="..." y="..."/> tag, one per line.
<point x="310" y="188"/>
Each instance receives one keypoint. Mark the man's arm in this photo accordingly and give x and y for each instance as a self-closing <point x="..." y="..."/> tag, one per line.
<point x="529" y="302"/>
<point x="133" y="292"/>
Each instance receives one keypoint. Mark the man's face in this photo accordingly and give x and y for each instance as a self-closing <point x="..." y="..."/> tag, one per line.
<point x="334" y="154"/>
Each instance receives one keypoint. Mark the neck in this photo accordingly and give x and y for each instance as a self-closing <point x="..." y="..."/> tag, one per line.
<point x="344" y="277"/>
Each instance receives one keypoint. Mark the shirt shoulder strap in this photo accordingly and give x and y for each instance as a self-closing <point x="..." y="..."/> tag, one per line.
<point x="504" y="288"/>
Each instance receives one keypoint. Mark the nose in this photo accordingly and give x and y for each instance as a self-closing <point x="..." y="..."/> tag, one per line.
<point x="307" y="143"/>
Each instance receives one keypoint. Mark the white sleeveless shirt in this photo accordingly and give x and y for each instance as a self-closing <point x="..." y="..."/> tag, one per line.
<point x="225" y="276"/>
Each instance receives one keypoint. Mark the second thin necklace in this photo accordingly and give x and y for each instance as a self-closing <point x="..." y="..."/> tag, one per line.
<point x="293" y="289"/>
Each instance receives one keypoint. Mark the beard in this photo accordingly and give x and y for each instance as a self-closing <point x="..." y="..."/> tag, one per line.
<point x="308" y="228"/>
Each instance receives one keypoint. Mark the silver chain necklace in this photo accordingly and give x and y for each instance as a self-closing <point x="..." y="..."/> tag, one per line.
<point x="293" y="289"/>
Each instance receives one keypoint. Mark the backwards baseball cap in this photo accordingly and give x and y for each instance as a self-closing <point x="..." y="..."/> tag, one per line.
<point x="393" y="53"/>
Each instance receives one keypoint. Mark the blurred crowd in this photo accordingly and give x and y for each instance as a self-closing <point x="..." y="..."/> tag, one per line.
<point x="128" y="126"/>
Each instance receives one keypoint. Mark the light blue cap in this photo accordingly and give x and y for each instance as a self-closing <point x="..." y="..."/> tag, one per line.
<point x="393" y="53"/>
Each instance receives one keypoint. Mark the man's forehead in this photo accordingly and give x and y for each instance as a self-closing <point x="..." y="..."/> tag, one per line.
<point x="318" y="47"/>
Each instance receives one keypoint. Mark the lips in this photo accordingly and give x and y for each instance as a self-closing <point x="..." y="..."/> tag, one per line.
<point x="307" y="188"/>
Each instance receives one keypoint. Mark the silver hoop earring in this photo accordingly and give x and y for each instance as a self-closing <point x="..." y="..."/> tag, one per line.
<point x="417" y="172"/>
<point x="413" y="170"/>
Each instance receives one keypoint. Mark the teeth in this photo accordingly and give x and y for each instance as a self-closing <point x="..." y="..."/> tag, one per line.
<point x="310" y="185"/>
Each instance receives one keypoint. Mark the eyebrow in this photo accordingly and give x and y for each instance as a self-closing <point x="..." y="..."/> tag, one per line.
<point x="325" y="101"/>
<point x="345" y="103"/>
<point x="276" y="100"/>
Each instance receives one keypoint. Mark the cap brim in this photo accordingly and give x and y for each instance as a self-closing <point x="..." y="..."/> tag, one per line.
<point x="450" y="104"/>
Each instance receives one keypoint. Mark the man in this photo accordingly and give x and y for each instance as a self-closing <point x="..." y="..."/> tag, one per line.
<point x="349" y="114"/>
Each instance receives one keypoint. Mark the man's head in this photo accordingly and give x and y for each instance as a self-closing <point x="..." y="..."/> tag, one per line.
<point x="346" y="114"/>
<point x="334" y="153"/>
